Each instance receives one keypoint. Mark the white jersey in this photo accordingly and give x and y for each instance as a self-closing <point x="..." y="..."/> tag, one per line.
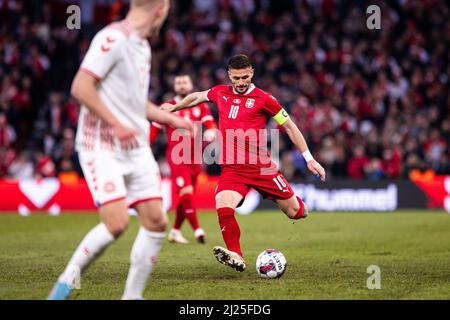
<point x="120" y="60"/>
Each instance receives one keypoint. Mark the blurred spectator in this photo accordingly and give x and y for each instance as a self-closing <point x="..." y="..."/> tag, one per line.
<point x="287" y="166"/>
<point x="391" y="163"/>
<point x="374" y="170"/>
<point x="21" y="167"/>
<point x="45" y="167"/>
<point x="7" y="157"/>
<point x="7" y="132"/>
<point x="434" y="147"/>
<point x="357" y="163"/>
<point x="67" y="173"/>
<point x="338" y="168"/>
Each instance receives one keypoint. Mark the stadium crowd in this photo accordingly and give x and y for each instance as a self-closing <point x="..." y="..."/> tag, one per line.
<point x="373" y="104"/>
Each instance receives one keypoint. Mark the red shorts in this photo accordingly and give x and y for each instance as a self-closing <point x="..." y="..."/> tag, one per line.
<point x="184" y="175"/>
<point x="273" y="186"/>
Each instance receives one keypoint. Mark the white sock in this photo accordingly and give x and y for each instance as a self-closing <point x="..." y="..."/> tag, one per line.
<point x="143" y="257"/>
<point x="87" y="251"/>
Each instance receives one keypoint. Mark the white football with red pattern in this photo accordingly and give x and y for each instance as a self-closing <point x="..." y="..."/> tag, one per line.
<point x="271" y="264"/>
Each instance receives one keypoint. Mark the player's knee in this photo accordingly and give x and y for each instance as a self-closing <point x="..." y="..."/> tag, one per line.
<point x="292" y="210"/>
<point x="157" y="223"/>
<point x="224" y="202"/>
<point x="224" y="205"/>
<point x="186" y="191"/>
<point x="186" y="199"/>
<point x="295" y="208"/>
<point x="162" y="223"/>
<point x="118" y="226"/>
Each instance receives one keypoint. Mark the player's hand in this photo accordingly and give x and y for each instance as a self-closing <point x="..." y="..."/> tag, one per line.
<point x="209" y="135"/>
<point x="167" y="107"/>
<point x="126" y="136"/>
<point x="316" y="169"/>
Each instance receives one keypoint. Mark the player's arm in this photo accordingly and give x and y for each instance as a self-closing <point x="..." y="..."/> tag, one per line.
<point x="155" y="113"/>
<point x="84" y="89"/>
<point x="299" y="141"/>
<point x="276" y="111"/>
<point x="191" y="100"/>
<point x="209" y="123"/>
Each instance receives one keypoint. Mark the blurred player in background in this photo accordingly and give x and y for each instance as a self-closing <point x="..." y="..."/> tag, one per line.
<point x="243" y="106"/>
<point x="184" y="175"/>
<point x="112" y="86"/>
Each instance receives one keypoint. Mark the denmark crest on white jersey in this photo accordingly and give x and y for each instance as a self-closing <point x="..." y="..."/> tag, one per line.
<point x="250" y="103"/>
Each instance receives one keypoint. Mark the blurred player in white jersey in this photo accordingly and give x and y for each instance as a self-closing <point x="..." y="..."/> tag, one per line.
<point x="112" y="140"/>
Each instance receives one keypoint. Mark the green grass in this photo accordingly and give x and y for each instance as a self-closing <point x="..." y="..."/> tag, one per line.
<point x="327" y="255"/>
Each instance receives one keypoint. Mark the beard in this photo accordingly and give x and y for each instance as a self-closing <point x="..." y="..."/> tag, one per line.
<point x="241" y="89"/>
<point x="182" y="94"/>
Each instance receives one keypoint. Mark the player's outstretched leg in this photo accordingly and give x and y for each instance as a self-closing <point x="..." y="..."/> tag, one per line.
<point x="293" y="207"/>
<point x="226" y="201"/>
<point x="146" y="247"/>
<point x="115" y="220"/>
<point x="229" y="258"/>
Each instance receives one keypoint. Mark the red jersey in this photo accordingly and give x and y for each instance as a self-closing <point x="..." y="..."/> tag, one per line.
<point x="244" y="117"/>
<point x="197" y="114"/>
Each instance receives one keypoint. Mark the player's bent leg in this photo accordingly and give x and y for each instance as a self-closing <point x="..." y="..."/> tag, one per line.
<point x="151" y="215"/>
<point x="175" y="235"/>
<point x="190" y="212"/>
<point x="114" y="216"/>
<point x="228" y="199"/>
<point x="226" y="202"/>
<point x="294" y="207"/>
<point x="146" y="247"/>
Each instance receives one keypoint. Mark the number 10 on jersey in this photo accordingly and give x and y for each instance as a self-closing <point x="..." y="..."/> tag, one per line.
<point x="233" y="112"/>
<point x="279" y="181"/>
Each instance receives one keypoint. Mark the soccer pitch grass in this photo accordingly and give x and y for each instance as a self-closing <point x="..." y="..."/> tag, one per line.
<point x="327" y="254"/>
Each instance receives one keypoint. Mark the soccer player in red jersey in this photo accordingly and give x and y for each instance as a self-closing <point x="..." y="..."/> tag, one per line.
<point x="243" y="109"/>
<point x="184" y="175"/>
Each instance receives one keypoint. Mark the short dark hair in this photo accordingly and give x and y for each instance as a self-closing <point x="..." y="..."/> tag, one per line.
<point x="182" y="74"/>
<point x="240" y="61"/>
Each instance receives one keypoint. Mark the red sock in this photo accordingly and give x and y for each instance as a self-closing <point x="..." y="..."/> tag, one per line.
<point x="189" y="211"/>
<point x="300" y="211"/>
<point x="179" y="216"/>
<point x="230" y="229"/>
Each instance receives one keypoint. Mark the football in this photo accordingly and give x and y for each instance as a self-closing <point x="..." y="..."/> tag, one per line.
<point x="271" y="264"/>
